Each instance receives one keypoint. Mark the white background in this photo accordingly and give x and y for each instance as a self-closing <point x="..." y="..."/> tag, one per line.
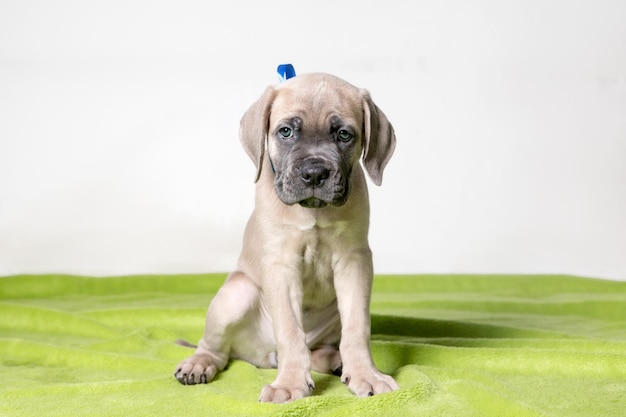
<point x="119" y="120"/>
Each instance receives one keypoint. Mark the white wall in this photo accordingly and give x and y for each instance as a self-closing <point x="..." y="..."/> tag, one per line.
<point x="119" y="119"/>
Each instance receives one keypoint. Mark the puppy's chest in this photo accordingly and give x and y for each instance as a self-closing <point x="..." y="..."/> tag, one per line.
<point x="317" y="271"/>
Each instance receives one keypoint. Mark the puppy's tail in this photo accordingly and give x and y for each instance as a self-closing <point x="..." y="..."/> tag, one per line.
<point x="185" y="343"/>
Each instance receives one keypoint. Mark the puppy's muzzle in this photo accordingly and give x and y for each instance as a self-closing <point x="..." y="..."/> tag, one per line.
<point x="313" y="182"/>
<point x="313" y="172"/>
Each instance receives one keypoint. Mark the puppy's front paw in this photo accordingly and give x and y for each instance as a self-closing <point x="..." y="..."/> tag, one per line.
<point x="197" y="369"/>
<point x="367" y="383"/>
<point x="280" y="393"/>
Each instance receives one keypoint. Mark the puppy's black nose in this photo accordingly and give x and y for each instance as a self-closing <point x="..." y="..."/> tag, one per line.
<point x="314" y="173"/>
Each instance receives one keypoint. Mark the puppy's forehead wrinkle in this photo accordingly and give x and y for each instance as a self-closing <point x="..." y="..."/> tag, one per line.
<point x="319" y="96"/>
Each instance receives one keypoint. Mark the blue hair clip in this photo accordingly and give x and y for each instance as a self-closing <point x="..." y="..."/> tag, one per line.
<point x="285" y="72"/>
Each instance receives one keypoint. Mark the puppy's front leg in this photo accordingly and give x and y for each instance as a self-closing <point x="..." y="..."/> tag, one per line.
<point x="353" y="284"/>
<point x="283" y="297"/>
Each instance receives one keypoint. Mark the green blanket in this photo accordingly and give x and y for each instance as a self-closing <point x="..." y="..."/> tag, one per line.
<point x="457" y="345"/>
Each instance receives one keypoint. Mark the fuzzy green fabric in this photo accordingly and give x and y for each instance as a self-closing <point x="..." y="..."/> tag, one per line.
<point x="457" y="345"/>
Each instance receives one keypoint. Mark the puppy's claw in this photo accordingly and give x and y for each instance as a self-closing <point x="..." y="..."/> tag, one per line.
<point x="181" y="378"/>
<point x="191" y="379"/>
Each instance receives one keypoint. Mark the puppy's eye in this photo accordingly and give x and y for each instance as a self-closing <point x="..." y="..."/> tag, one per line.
<point x="285" y="132"/>
<point x="344" y="136"/>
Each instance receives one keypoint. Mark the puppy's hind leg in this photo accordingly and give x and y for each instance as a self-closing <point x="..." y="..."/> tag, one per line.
<point x="326" y="360"/>
<point x="231" y="305"/>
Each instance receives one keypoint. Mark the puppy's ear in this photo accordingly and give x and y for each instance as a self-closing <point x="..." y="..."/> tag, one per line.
<point x="253" y="128"/>
<point x="379" y="139"/>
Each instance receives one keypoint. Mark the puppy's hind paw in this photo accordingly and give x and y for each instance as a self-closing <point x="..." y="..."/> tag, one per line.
<point x="197" y="369"/>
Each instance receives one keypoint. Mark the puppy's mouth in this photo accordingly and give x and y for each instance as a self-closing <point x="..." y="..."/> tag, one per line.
<point x="313" y="202"/>
<point x="312" y="199"/>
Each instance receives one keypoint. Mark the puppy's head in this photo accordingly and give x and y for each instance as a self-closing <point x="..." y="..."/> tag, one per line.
<point x="315" y="129"/>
